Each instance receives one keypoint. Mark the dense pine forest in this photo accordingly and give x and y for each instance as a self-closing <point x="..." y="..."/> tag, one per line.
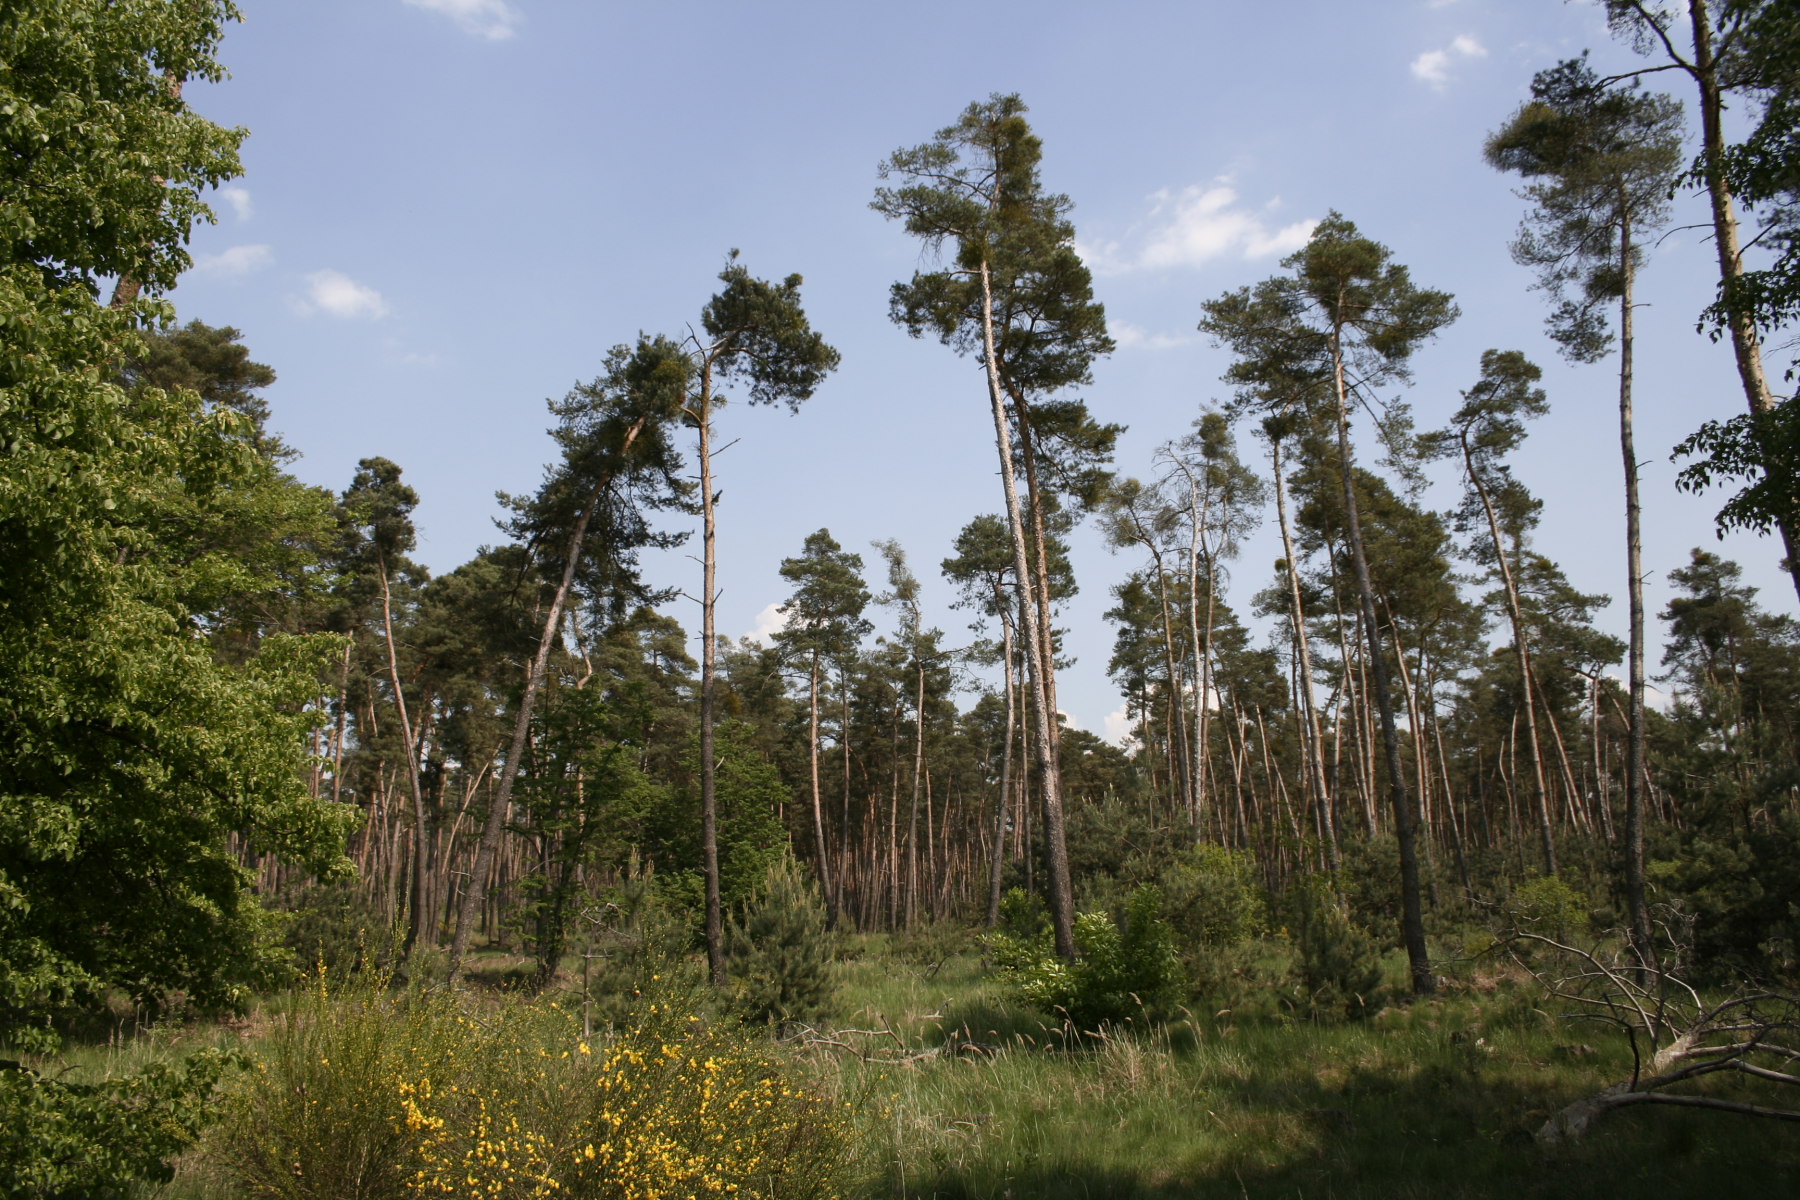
<point x="326" y="874"/>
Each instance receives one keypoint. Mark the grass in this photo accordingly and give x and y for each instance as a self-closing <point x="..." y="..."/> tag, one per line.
<point x="1438" y="1099"/>
<point x="1434" y="1099"/>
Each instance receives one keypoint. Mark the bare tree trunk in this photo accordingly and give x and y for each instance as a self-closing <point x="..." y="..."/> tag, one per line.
<point x="1636" y="908"/>
<point x="1516" y="613"/>
<point x="416" y="891"/>
<point x="1745" y="345"/>
<point x="912" y="813"/>
<point x="1006" y="762"/>
<point x="1315" y="748"/>
<point x="818" y="805"/>
<point x="1062" y="896"/>
<point x="1412" y="920"/>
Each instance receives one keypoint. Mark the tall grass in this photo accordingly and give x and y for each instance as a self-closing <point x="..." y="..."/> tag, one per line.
<point x="1436" y="1099"/>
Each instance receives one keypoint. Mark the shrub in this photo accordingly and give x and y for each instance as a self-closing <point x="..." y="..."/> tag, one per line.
<point x="333" y="927"/>
<point x="670" y="1107"/>
<point x="1125" y="968"/>
<point x="1547" y="906"/>
<point x="366" y="1094"/>
<point x="60" y="1138"/>
<point x="322" y="1116"/>
<point x="1212" y="898"/>
<point x="779" y="954"/>
<point x="1339" y="963"/>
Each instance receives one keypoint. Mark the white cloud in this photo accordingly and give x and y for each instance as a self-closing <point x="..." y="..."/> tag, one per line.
<point x="239" y="199"/>
<point x="1433" y="66"/>
<point x="234" y="263"/>
<point x="1130" y="337"/>
<point x="1193" y="227"/>
<point x="1119" y="729"/>
<point x="339" y="295"/>
<point x="769" y="622"/>
<point x="491" y="19"/>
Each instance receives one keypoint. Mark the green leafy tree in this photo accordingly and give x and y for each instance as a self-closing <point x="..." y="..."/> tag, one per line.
<point x="755" y="333"/>
<point x="1606" y="159"/>
<point x="584" y="527"/>
<point x="1017" y="295"/>
<point x="1345" y="321"/>
<point x="824" y="623"/>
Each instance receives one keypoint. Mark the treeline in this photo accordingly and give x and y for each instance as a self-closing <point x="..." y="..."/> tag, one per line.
<point x="229" y="693"/>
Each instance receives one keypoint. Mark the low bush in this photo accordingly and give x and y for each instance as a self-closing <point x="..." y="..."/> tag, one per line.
<point x="1125" y="968"/>
<point x="365" y="1093"/>
<point x="64" y="1138"/>
<point x="780" y="953"/>
<point x="1338" y="963"/>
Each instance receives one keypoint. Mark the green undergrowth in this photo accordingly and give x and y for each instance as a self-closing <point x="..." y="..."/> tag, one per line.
<point x="1429" y="1099"/>
<point x="960" y="1090"/>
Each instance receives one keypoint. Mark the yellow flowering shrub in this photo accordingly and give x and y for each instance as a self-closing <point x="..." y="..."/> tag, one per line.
<point x="667" y="1108"/>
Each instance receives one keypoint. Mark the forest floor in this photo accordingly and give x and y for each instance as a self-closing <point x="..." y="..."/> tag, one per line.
<point x="961" y="1094"/>
<point x="1435" y="1099"/>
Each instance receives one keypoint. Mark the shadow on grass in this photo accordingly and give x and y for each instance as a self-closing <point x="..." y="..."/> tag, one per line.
<point x="1439" y="1133"/>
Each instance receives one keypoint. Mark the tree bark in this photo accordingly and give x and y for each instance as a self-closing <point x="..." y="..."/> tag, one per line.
<point x="709" y="652"/>
<point x="1315" y="755"/>
<point x="1062" y="898"/>
<point x="469" y="909"/>
<point x="1745" y="345"/>
<point x="1412" y="919"/>
<point x="1006" y="761"/>
<point x="416" y="903"/>
<point x="1636" y="907"/>
<point x="818" y="805"/>
<point x="1517" y="615"/>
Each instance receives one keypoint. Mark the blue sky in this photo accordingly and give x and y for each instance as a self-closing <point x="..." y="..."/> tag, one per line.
<point x="452" y="208"/>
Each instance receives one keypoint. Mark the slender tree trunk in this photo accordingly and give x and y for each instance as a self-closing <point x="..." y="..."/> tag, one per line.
<point x="818" y="805"/>
<point x="1539" y="795"/>
<point x="416" y="891"/>
<point x="1745" y="345"/>
<point x="470" y="909"/>
<point x="1412" y="920"/>
<point x="1062" y="896"/>
<point x="912" y="812"/>
<point x="1636" y="908"/>
<point x="1315" y="748"/>
<point x="709" y="654"/>
<point x="1006" y="762"/>
<point x="337" y="741"/>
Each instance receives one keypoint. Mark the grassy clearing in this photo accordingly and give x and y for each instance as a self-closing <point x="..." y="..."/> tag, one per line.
<point x="1438" y="1099"/>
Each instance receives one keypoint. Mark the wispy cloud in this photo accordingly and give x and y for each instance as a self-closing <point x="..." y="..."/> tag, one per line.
<point x="769" y="622"/>
<point x="234" y="263"/>
<point x="495" y="20"/>
<point x="239" y="199"/>
<point x="1193" y="227"/>
<point x="1433" y="66"/>
<point x="338" y="295"/>
<point x="1131" y="337"/>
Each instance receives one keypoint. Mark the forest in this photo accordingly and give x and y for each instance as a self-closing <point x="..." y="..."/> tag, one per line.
<point x="323" y="874"/>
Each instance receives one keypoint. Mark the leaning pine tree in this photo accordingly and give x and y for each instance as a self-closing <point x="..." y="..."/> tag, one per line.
<point x="1602" y="161"/>
<point x="1016" y="294"/>
<point x="1345" y="321"/>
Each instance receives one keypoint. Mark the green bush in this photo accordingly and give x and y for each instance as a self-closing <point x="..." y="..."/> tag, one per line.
<point x="779" y="953"/>
<point x="332" y="926"/>
<point x="1339" y="964"/>
<point x="322" y="1117"/>
<point x="1125" y="969"/>
<point x="1547" y="906"/>
<point x="1212" y="898"/>
<point x="71" y="1139"/>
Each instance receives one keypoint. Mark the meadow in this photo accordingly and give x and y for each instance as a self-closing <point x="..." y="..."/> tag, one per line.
<point x="938" y="1083"/>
